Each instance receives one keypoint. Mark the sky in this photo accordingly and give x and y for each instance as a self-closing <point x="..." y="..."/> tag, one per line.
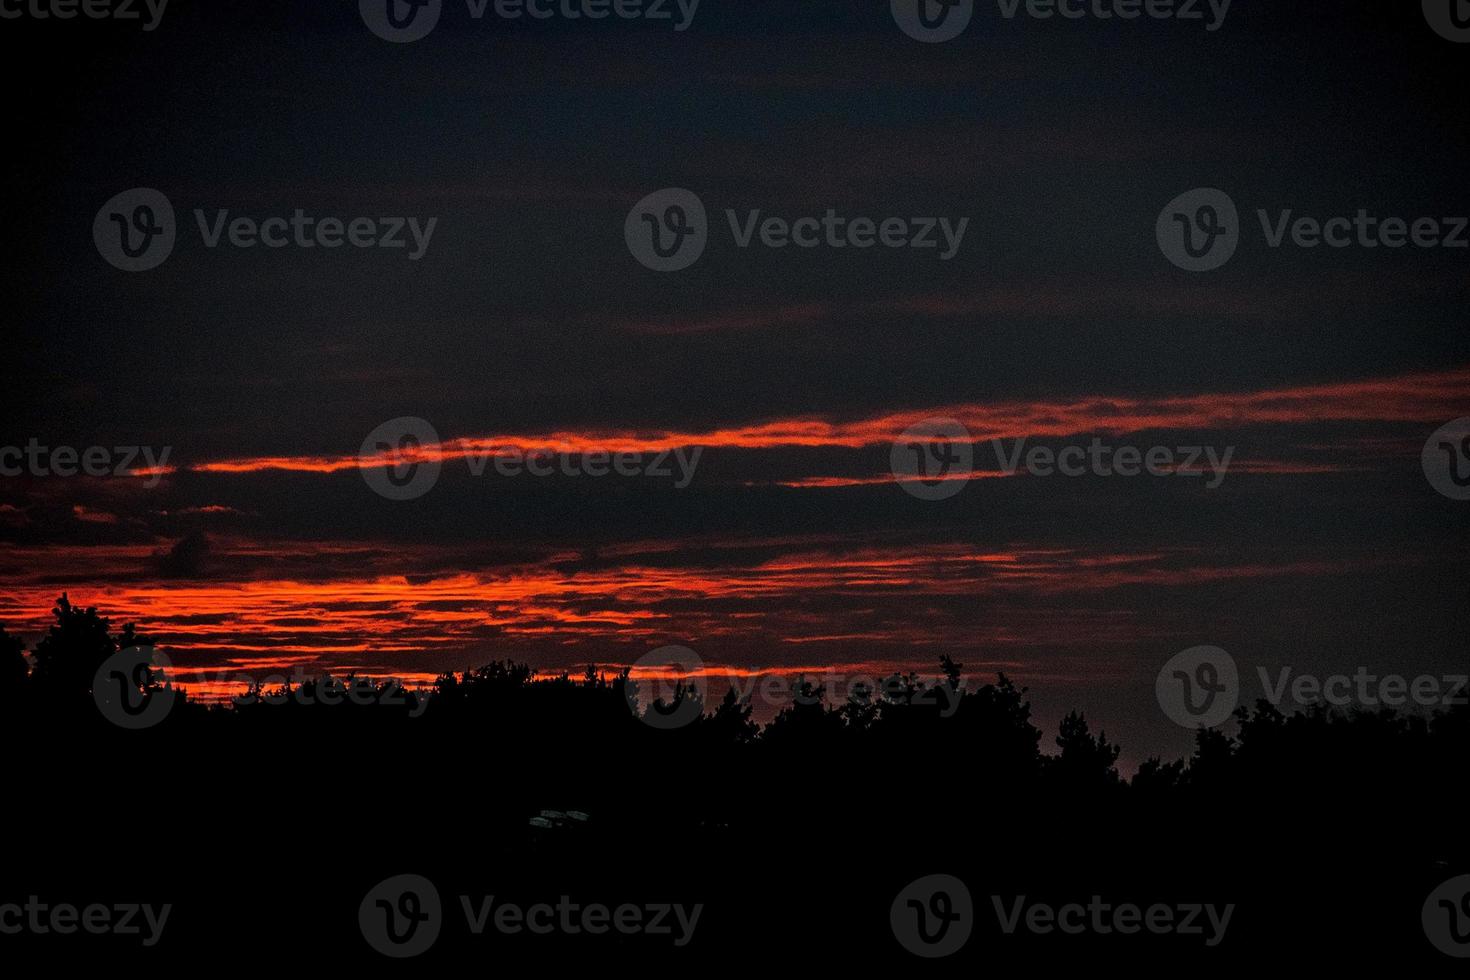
<point x="527" y="323"/>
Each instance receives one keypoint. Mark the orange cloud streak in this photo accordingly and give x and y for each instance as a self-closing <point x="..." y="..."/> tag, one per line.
<point x="1423" y="397"/>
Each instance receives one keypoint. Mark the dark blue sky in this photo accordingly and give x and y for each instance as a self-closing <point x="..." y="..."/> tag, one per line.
<point x="1060" y="141"/>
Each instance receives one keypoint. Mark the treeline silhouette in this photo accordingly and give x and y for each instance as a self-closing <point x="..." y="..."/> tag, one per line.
<point x="1318" y="820"/>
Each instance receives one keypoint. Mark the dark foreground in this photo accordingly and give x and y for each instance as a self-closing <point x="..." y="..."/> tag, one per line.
<point x="544" y="823"/>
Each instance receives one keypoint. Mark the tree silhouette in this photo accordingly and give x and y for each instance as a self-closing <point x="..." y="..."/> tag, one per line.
<point x="14" y="670"/>
<point x="898" y="773"/>
<point x="73" y="650"/>
<point x="1085" y="761"/>
<point x="731" y="721"/>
